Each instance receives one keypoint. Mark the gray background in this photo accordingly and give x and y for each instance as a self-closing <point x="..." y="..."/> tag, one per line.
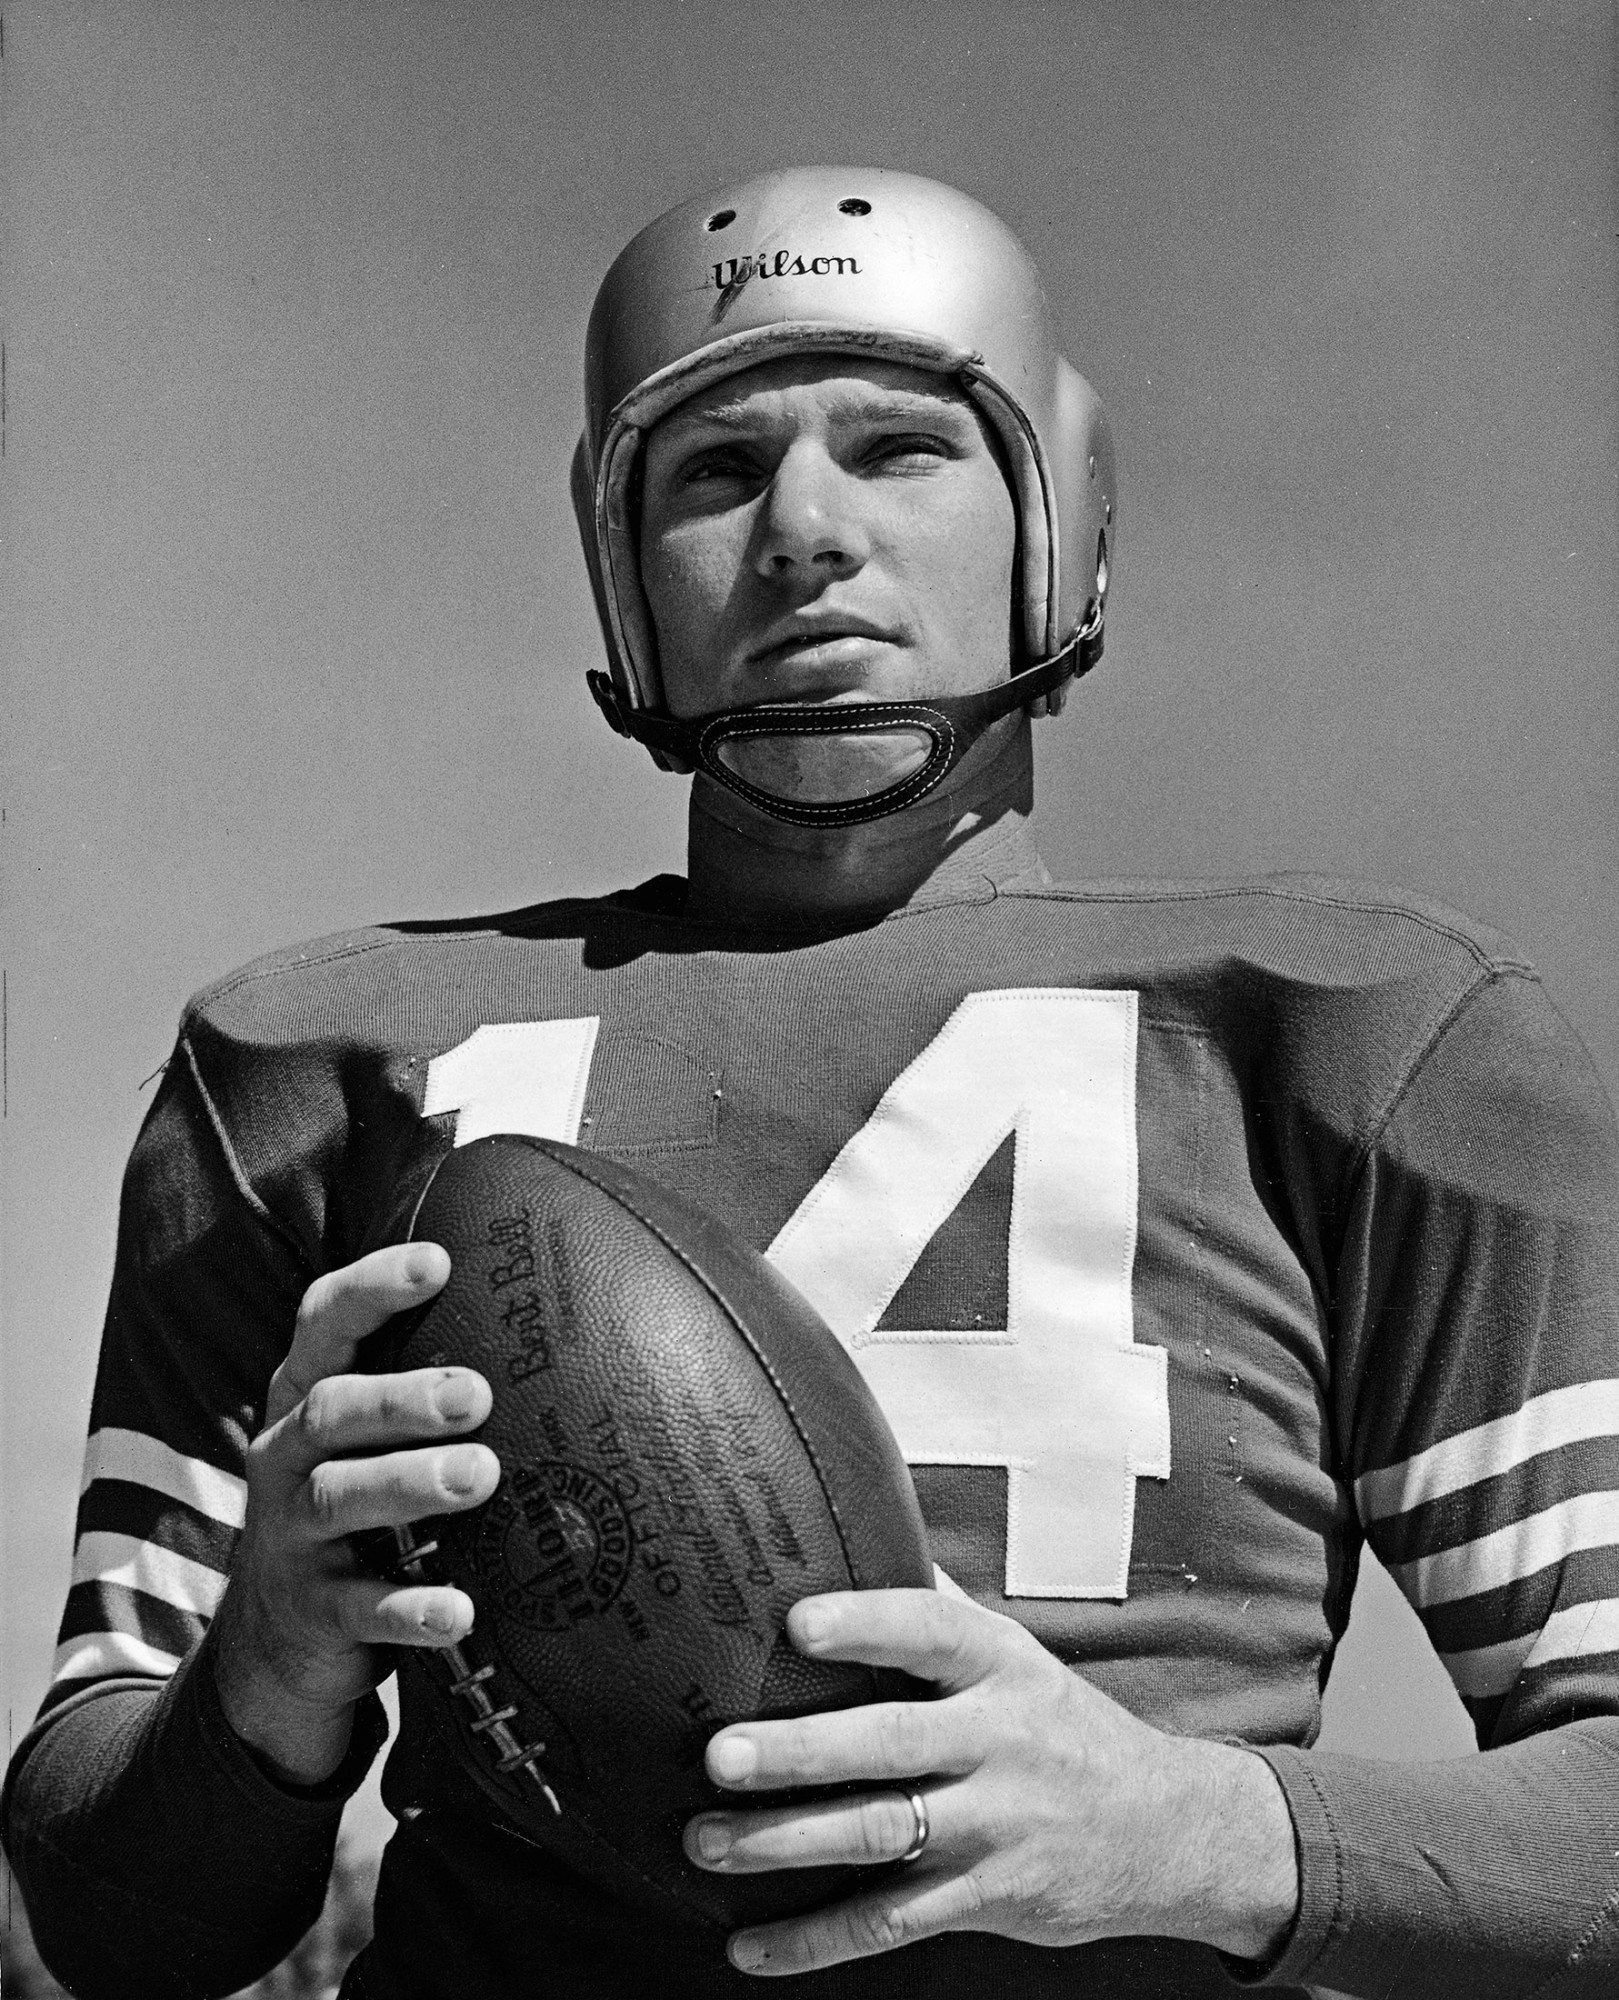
<point x="295" y="623"/>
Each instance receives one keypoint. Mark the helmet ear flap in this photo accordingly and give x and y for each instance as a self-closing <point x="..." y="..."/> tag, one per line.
<point x="582" y="488"/>
<point x="1086" y="495"/>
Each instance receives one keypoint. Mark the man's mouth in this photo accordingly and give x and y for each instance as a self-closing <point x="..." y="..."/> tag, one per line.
<point x="828" y="646"/>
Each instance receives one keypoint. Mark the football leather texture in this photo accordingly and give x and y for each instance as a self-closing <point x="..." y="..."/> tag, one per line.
<point x="686" y="1450"/>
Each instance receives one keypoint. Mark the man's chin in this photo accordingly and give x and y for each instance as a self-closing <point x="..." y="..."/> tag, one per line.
<point x="827" y="770"/>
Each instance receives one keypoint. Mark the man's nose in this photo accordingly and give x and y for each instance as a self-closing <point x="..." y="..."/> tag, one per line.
<point x="812" y="520"/>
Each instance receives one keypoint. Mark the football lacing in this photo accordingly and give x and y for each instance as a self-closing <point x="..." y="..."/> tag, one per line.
<point x="469" y="1684"/>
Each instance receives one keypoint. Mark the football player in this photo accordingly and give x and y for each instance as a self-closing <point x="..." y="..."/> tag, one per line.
<point x="1187" y="1233"/>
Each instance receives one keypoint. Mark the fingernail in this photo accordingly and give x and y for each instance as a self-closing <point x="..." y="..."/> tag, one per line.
<point x="454" y="1397"/>
<point x="459" y="1471"/>
<point x="747" y="1954"/>
<point x="713" y="1840"/>
<point x="812" y="1625"/>
<point x="733" y="1758"/>
<point x="438" y="1617"/>
<point x="422" y="1267"/>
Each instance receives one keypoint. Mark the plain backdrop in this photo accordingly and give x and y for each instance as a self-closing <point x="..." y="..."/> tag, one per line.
<point x="295" y="624"/>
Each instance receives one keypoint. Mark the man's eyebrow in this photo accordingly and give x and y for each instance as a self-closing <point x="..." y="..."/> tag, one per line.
<point x="909" y="403"/>
<point x="880" y="405"/>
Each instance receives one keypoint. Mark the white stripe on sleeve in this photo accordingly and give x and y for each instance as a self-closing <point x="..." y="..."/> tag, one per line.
<point x="1483" y="1672"/>
<point x="1588" y="1521"/>
<point x="1581" y="1631"/>
<point x="1562" y="1416"/>
<point x="136" y="1565"/>
<point x="94" y="1655"/>
<point x="146" y="1461"/>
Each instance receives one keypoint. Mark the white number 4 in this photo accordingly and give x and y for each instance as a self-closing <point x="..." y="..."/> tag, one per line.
<point x="1063" y="1397"/>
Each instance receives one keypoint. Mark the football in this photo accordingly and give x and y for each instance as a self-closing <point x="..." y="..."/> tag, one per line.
<point x="686" y="1450"/>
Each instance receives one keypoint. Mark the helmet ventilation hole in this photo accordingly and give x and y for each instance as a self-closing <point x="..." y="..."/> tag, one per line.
<point x="854" y="206"/>
<point x="722" y="218"/>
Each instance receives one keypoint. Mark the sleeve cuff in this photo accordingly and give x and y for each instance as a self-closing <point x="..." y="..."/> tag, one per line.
<point x="1320" y="1859"/>
<point x="252" y="1774"/>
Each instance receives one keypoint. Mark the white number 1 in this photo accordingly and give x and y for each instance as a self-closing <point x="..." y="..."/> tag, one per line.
<point x="515" y="1076"/>
<point x="1062" y="1397"/>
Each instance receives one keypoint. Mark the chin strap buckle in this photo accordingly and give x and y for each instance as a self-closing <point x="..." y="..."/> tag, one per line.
<point x="608" y="701"/>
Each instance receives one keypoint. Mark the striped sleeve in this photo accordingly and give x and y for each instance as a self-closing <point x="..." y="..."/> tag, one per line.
<point x="155" y="1535"/>
<point x="205" y="1290"/>
<point x="154" y="1852"/>
<point x="1485" y="1410"/>
<point x="1548" y="1476"/>
<point x="1475" y="1329"/>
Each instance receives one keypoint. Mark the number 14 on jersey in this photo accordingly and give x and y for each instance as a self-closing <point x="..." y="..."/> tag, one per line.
<point x="1063" y="1396"/>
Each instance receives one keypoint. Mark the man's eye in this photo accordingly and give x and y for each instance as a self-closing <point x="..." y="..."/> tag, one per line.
<point x="909" y="448"/>
<point x="721" y="463"/>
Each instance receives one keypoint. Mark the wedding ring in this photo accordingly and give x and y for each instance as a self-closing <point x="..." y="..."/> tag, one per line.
<point x="919" y="1806"/>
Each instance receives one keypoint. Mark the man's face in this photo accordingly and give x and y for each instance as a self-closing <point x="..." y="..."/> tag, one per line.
<point x="826" y="531"/>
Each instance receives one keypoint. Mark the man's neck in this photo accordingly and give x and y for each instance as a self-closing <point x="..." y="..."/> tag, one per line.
<point x="751" y="871"/>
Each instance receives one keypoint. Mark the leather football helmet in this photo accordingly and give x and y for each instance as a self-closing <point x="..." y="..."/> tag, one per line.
<point x="876" y="265"/>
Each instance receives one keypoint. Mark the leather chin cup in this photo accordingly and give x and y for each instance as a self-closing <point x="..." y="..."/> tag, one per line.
<point x="951" y="723"/>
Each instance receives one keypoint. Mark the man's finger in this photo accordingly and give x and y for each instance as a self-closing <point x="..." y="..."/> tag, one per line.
<point x="864" y="1831"/>
<point x="348" y="1413"/>
<point x="949" y="1640"/>
<point x="884" y="1743"/>
<point x="348" y="1496"/>
<point x="907" y="1906"/>
<point x="370" y="1613"/>
<point x="340" y="1309"/>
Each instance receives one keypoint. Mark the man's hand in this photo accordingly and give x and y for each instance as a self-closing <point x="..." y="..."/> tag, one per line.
<point x="1054" y="1815"/>
<point x="301" y="1629"/>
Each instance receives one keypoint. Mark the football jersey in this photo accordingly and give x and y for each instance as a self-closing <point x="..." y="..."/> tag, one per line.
<point x="1185" y="1233"/>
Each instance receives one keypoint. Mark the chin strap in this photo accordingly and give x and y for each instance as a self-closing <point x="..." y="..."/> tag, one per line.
<point x="952" y="723"/>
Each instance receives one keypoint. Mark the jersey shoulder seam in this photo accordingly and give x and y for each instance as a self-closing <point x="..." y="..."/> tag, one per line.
<point x="240" y="1179"/>
<point x="198" y="1006"/>
<point x="374" y="938"/>
<point x="1490" y="976"/>
<point x="1280" y="892"/>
